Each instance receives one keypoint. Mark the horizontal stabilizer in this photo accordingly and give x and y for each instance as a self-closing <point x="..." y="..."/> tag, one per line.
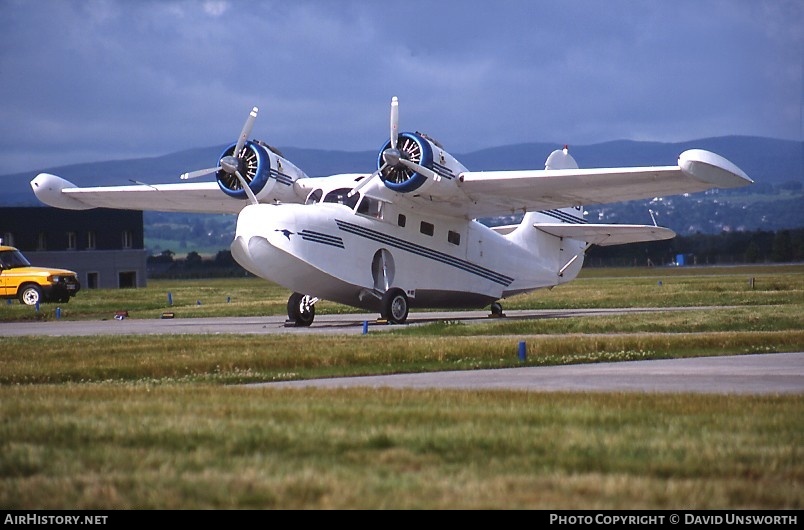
<point x="606" y="234"/>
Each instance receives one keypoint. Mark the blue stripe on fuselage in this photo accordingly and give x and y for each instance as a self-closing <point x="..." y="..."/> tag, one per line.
<point x="425" y="252"/>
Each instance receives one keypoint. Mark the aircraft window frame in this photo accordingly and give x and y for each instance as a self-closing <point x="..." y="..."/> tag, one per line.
<point x="427" y="228"/>
<point x="341" y="196"/>
<point x="454" y="237"/>
<point x="401" y="220"/>
<point x="369" y="207"/>
<point x="314" y="197"/>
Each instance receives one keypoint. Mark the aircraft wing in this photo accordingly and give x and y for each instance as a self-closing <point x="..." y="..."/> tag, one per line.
<point x="195" y="197"/>
<point x="500" y="192"/>
<point x="607" y="234"/>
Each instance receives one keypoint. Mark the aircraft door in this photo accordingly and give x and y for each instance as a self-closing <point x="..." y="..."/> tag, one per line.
<point x="474" y="245"/>
<point x="382" y="270"/>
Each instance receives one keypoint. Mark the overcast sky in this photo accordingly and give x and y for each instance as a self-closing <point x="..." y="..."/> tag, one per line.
<point x="83" y="81"/>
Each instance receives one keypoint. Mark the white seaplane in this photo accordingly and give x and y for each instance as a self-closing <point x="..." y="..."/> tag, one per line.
<point x="407" y="236"/>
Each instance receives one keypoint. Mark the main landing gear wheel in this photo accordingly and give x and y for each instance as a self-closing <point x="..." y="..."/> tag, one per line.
<point x="301" y="309"/>
<point x="496" y="309"/>
<point x="395" y="306"/>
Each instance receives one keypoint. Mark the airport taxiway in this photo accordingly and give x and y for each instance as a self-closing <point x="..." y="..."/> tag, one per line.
<point x="781" y="373"/>
<point x="772" y="373"/>
<point x="349" y="324"/>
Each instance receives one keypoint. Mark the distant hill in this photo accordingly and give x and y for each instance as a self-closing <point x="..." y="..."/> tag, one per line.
<point x="773" y="203"/>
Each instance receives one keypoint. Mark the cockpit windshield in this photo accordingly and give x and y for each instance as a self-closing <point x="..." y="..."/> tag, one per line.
<point x="341" y="196"/>
<point x="314" y="197"/>
<point x="10" y="259"/>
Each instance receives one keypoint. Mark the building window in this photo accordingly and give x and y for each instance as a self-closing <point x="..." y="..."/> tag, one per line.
<point x="127" y="280"/>
<point x="454" y="237"/>
<point x="427" y="228"/>
<point x="41" y="241"/>
<point x="127" y="239"/>
<point x="92" y="280"/>
<point x="8" y="239"/>
<point x="72" y="241"/>
<point x="91" y="239"/>
<point x="401" y="220"/>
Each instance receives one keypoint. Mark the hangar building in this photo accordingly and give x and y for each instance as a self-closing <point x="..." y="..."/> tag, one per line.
<point x="105" y="247"/>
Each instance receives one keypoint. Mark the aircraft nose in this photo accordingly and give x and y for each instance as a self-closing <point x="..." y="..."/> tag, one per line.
<point x="241" y="254"/>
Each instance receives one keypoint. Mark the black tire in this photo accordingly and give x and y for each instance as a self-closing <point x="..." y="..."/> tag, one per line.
<point x="299" y="311"/>
<point x="395" y="306"/>
<point x="30" y="295"/>
<point x="496" y="309"/>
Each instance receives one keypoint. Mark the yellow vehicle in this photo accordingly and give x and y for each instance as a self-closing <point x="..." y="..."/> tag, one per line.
<point x="32" y="285"/>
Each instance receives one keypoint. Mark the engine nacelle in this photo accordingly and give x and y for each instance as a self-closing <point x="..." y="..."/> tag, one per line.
<point x="269" y="175"/>
<point x="424" y="151"/>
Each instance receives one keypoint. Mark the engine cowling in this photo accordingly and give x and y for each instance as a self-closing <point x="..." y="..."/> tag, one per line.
<point x="422" y="150"/>
<point x="269" y="175"/>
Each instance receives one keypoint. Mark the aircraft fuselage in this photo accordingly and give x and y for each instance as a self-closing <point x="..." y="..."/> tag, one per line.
<point x="332" y="252"/>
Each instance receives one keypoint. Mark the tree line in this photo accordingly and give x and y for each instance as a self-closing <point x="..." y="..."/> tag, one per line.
<point x="726" y="248"/>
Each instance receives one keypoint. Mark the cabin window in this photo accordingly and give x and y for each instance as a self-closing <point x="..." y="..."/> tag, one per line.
<point x="401" y="220"/>
<point x="314" y="197"/>
<point x="427" y="228"/>
<point x="341" y="196"/>
<point x="454" y="237"/>
<point x="369" y="206"/>
<point x="72" y="241"/>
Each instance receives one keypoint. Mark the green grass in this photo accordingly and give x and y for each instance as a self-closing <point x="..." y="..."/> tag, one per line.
<point x="110" y="446"/>
<point x="158" y="422"/>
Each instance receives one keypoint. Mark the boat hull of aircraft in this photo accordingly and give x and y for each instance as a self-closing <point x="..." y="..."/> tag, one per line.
<point x="328" y="251"/>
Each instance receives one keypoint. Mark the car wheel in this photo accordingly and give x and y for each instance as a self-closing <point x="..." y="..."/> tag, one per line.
<point x="30" y="295"/>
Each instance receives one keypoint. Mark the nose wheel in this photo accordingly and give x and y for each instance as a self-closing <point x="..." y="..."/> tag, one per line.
<point x="301" y="309"/>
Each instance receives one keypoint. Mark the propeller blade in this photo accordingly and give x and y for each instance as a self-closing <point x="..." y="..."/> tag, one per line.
<point x="248" y="191"/>
<point x="394" y="121"/>
<point x="429" y="173"/>
<point x="199" y="173"/>
<point x="365" y="181"/>
<point x="246" y="132"/>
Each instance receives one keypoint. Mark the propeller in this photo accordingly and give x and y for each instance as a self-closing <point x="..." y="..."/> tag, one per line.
<point x="394" y="121"/>
<point x="393" y="157"/>
<point x="418" y="168"/>
<point x="394" y="134"/>
<point x="199" y="173"/>
<point x="231" y="163"/>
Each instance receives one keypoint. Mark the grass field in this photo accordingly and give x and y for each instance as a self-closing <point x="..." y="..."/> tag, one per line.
<point x="161" y="423"/>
